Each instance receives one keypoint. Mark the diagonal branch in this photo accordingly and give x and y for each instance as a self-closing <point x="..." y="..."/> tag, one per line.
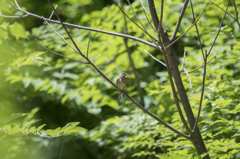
<point x="187" y="29"/>
<point x="51" y="14"/>
<point x="129" y="52"/>
<point x="153" y="13"/>
<point x="144" y="7"/>
<point x="155" y="58"/>
<point x="78" y="50"/>
<point x="184" y="54"/>
<point x="81" y="27"/>
<point x="89" y="37"/>
<point x="179" y="20"/>
<point x="60" y="54"/>
<point x="203" y="87"/>
<point x="45" y="21"/>
<point x="218" y="29"/>
<point x="201" y="65"/>
<point x="149" y="22"/>
<point x="197" y="29"/>
<point x="160" y="25"/>
<point x="188" y="77"/>
<point x="235" y="6"/>
<point x="204" y="74"/>
<point x="144" y="30"/>
<point x="228" y="13"/>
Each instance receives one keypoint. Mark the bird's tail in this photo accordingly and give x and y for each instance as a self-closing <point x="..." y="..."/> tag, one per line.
<point x="120" y="96"/>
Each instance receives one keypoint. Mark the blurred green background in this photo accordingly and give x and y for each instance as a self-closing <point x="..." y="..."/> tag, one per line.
<point x="55" y="108"/>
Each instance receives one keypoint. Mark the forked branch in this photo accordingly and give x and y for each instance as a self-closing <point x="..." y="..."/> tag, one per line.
<point x="204" y="73"/>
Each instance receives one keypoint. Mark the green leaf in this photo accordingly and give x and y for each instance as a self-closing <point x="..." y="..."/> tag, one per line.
<point x="71" y="125"/>
<point x="65" y="98"/>
<point x="75" y="130"/>
<point x="15" y="116"/>
<point x="40" y="127"/>
<point x="49" y="132"/>
<point x="18" y="31"/>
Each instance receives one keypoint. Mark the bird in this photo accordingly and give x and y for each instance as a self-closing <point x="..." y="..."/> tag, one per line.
<point x="121" y="83"/>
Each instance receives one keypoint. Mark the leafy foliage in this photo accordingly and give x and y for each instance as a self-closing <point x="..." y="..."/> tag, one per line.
<point x="53" y="91"/>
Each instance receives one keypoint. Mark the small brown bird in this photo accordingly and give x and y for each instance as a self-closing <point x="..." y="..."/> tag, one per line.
<point x="121" y="83"/>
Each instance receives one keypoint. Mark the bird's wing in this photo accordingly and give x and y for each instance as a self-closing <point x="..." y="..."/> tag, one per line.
<point x="117" y="83"/>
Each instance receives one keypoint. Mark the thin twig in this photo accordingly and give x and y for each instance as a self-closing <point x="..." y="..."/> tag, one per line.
<point x="60" y="54"/>
<point x="149" y="22"/>
<point x="155" y="58"/>
<point x="144" y="7"/>
<point x="200" y="66"/>
<point x="17" y="4"/>
<point x="235" y="6"/>
<point x="179" y="20"/>
<point x="134" y="70"/>
<point x="88" y="43"/>
<point x="78" y="50"/>
<point x="133" y="21"/>
<point x="160" y="24"/>
<point x="153" y="13"/>
<point x="59" y="34"/>
<point x="184" y="54"/>
<point x="50" y="17"/>
<point x="197" y="29"/>
<point x="188" y="77"/>
<point x="204" y="74"/>
<point x="87" y="28"/>
<point x="7" y="16"/>
<point x="188" y="28"/>
<point x="153" y="39"/>
<point x="227" y="13"/>
<point x="218" y="29"/>
<point x="203" y="87"/>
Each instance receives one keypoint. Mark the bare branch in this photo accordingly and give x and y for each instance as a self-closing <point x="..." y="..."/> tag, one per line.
<point x="227" y="13"/>
<point x="89" y="37"/>
<point x="17" y="4"/>
<point x="188" y="77"/>
<point x="197" y="29"/>
<point x="153" y="39"/>
<point x="78" y="50"/>
<point x="144" y="7"/>
<point x="60" y="54"/>
<point x="218" y="29"/>
<point x="201" y="65"/>
<point x="45" y="21"/>
<point x="7" y="16"/>
<point x="179" y="20"/>
<point x="204" y="74"/>
<point x="235" y="6"/>
<point x="160" y="25"/>
<point x="149" y="22"/>
<point x="145" y="31"/>
<point x="155" y="58"/>
<point x="51" y="14"/>
<point x="87" y="28"/>
<point x="203" y="87"/>
<point x="184" y="54"/>
<point x="153" y="13"/>
<point x="134" y="70"/>
<point x="161" y="18"/>
<point x="188" y="28"/>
